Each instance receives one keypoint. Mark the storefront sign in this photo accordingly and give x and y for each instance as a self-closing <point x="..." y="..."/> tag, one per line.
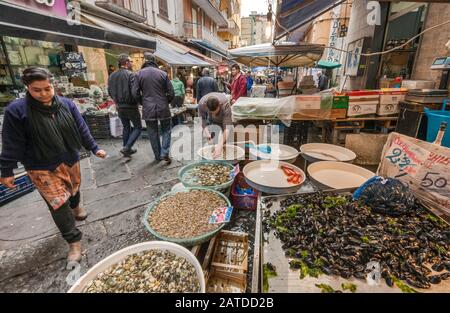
<point x="52" y="7"/>
<point x="423" y="166"/>
<point x="334" y="55"/>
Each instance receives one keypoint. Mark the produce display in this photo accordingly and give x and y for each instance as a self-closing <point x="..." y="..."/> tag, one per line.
<point x="208" y="175"/>
<point x="153" y="271"/>
<point x="228" y="153"/>
<point x="335" y="235"/>
<point x="186" y="214"/>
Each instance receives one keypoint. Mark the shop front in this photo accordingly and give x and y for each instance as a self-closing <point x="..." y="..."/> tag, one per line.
<point x="76" y="54"/>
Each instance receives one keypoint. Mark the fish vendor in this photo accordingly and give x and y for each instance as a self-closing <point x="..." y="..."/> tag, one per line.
<point x="215" y="109"/>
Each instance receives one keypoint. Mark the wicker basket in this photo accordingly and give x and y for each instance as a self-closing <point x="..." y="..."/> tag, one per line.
<point x="187" y="242"/>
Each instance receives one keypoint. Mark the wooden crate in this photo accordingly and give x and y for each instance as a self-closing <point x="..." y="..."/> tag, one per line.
<point x="230" y="253"/>
<point x="222" y="282"/>
<point x="338" y="113"/>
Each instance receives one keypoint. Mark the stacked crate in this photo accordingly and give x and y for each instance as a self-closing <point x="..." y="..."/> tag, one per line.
<point x="389" y="101"/>
<point x="340" y="107"/>
<point x="98" y="124"/>
<point x="363" y="103"/>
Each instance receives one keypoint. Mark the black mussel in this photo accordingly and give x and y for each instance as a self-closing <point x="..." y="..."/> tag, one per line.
<point x="435" y="279"/>
<point x="445" y="276"/>
<point x="345" y="274"/>
<point x="389" y="281"/>
<point x="438" y="267"/>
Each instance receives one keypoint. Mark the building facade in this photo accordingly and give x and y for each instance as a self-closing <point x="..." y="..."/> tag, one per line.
<point x="231" y="33"/>
<point x="255" y="29"/>
<point x="399" y="21"/>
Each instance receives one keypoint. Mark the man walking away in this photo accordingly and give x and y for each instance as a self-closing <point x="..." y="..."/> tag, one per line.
<point x="154" y="90"/>
<point x="206" y="85"/>
<point x="119" y="87"/>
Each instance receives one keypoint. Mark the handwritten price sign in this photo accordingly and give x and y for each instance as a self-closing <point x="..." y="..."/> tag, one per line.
<point x="423" y="166"/>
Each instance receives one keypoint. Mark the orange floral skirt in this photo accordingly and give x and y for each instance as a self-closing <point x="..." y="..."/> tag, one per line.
<point x="59" y="185"/>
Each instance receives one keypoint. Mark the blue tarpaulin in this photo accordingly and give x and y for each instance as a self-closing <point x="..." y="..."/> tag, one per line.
<point x="292" y="14"/>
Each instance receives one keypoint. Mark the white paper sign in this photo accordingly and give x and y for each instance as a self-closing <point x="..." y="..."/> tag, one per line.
<point x="425" y="167"/>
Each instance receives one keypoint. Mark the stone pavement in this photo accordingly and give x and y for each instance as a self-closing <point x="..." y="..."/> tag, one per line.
<point x="115" y="192"/>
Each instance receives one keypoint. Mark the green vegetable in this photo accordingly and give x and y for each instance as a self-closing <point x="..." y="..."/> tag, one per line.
<point x="304" y="254"/>
<point x="269" y="271"/>
<point x="330" y="202"/>
<point x="325" y="288"/>
<point x="282" y="229"/>
<point x="402" y="286"/>
<point x="441" y="250"/>
<point x="292" y="210"/>
<point x="348" y="286"/>
<point x="365" y="239"/>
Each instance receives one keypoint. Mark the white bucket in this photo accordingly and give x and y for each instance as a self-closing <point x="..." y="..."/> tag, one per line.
<point x="118" y="256"/>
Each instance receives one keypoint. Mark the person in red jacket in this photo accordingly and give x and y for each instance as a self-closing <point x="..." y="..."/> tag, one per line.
<point x="238" y="85"/>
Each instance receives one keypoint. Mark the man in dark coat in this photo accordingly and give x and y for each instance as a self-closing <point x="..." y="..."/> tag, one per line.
<point x="206" y="85"/>
<point x="119" y="87"/>
<point x="153" y="89"/>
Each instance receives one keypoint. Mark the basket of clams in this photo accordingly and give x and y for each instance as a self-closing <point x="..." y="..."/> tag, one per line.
<point x="214" y="175"/>
<point x="148" y="267"/>
<point x="183" y="217"/>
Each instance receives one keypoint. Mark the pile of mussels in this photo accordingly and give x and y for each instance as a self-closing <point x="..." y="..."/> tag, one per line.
<point x="335" y="235"/>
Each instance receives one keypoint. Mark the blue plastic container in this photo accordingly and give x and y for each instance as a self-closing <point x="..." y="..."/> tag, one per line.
<point x="435" y="118"/>
<point x="23" y="186"/>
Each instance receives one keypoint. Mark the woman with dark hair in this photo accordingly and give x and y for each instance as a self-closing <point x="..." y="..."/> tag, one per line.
<point x="45" y="133"/>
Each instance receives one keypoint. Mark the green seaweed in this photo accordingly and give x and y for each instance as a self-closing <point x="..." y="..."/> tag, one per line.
<point x="402" y="286"/>
<point x="331" y="202"/>
<point x="365" y="239"/>
<point x="325" y="288"/>
<point x="349" y="286"/>
<point x="269" y="271"/>
<point x="292" y="210"/>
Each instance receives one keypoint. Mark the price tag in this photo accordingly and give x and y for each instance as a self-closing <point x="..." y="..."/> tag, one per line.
<point x="425" y="167"/>
<point x="221" y="215"/>
<point x="235" y="171"/>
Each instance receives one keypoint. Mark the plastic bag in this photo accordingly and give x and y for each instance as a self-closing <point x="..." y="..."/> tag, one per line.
<point x="386" y="196"/>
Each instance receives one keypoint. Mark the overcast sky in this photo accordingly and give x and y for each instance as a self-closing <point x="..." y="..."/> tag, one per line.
<point x="259" y="6"/>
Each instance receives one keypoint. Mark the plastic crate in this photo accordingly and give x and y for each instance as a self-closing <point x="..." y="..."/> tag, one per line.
<point x="243" y="202"/>
<point x="23" y="186"/>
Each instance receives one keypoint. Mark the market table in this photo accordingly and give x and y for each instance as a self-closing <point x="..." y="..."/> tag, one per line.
<point x="356" y="124"/>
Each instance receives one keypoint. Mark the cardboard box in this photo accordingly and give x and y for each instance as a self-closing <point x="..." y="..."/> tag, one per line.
<point x="341" y="102"/>
<point x="338" y="113"/>
<point x="418" y="84"/>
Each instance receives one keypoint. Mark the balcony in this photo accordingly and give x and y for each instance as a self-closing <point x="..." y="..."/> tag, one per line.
<point x="132" y="9"/>
<point x="213" y="39"/>
<point x="212" y="9"/>
<point x="232" y="28"/>
<point x="196" y="31"/>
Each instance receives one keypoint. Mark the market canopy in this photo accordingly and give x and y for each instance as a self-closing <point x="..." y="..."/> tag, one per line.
<point x="25" y="23"/>
<point x="293" y="14"/>
<point x="328" y="65"/>
<point x="202" y="44"/>
<point x="175" y="56"/>
<point x="285" y="54"/>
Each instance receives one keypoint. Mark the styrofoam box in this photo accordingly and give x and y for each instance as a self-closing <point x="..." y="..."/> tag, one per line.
<point x="418" y="84"/>
<point x="362" y="108"/>
<point x="388" y="109"/>
<point x="392" y="98"/>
